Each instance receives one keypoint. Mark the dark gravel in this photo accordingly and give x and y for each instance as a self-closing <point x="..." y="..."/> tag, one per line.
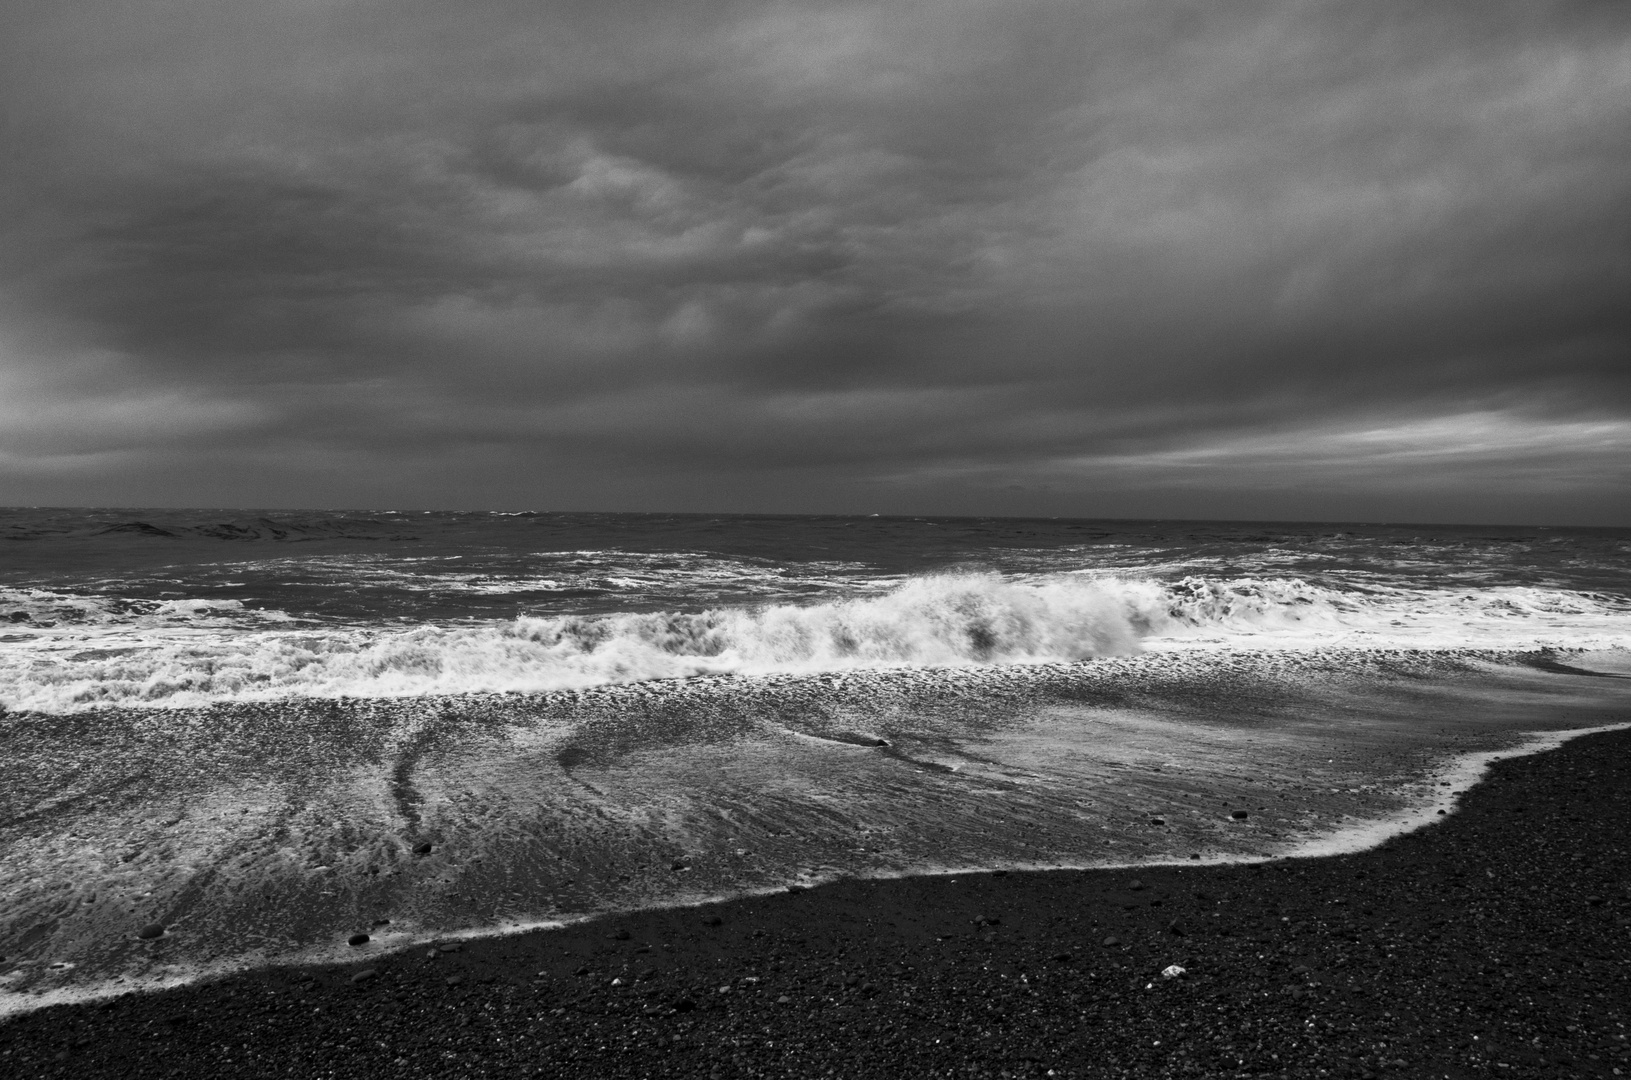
<point x="1494" y="944"/>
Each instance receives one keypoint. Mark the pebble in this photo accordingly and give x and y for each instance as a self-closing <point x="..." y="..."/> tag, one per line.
<point x="357" y="939"/>
<point x="1136" y="885"/>
<point x="1112" y="940"/>
<point x="1158" y="821"/>
<point x="363" y="976"/>
<point x="1239" y="815"/>
<point x="422" y="849"/>
<point x="712" y="920"/>
<point x="151" y="931"/>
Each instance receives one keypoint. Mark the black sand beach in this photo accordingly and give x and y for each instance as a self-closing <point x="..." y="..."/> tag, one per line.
<point x="1496" y="943"/>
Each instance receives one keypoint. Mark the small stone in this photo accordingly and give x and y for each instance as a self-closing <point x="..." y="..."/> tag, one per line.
<point x="1111" y="940"/>
<point x="1175" y="929"/>
<point x="422" y="849"/>
<point x="357" y="939"/>
<point x="453" y="980"/>
<point x="151" y="931"/>
<point x="678" y="865"/>
<point x="1136" y="885"/>
<point x="1158" y="821"/>
<point x="684" y="1005"/>
<point x="363" y="976"/>
<point x="712" y="920"/>
<point x="784" y="1000"/>
<point x="1061" y="958"/>
<point x="621" y="935"/>
<point x="1238" y="815"/>
<point x="452" y="947"/>
<point x="1595" y="901"/>
<point x="584" y="970"/>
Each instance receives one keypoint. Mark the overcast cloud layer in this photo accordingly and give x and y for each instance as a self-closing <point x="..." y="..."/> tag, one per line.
<point x="1317" y="260"/>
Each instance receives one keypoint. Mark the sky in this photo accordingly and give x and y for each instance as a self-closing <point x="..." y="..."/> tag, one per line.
<point x="1313" y="260"/>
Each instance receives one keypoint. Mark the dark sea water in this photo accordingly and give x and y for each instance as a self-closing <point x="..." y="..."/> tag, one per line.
<point x="241" y="726"/>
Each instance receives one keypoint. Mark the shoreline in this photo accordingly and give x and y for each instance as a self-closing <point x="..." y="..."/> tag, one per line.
<point x="1400" y="787"/>
<point x="1450" y="949"/>
<point x="1455" y="775"/>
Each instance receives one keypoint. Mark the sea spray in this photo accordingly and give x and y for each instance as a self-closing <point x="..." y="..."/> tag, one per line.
<point x="91" y="652"/>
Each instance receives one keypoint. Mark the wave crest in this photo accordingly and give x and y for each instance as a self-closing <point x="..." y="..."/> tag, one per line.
<point x="190" y="653"/>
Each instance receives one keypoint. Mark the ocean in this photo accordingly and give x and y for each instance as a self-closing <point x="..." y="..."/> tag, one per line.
<point x="267" y="733"/>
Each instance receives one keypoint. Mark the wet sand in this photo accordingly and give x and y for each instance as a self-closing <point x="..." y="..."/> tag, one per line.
<point x="1497" y="942"/>
<point x="267" y="834"/>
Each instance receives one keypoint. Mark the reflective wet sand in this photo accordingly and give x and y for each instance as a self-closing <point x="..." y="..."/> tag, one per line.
<point x="269" y="833"/>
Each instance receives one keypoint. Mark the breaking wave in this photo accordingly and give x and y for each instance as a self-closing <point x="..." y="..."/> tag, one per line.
<point x="73" y="653"/>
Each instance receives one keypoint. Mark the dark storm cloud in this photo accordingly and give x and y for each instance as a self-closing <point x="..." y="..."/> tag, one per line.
<point x="971" y="256"/>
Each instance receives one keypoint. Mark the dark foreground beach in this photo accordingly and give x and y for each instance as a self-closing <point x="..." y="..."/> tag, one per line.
<point x="1497" y="943"/>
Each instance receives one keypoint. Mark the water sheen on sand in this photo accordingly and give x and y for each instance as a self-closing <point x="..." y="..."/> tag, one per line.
<point x="269" y="832"/>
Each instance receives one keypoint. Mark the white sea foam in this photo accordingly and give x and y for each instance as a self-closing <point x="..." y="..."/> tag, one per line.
<point x="643" y="576"/>
<point x="73" y="653"/>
